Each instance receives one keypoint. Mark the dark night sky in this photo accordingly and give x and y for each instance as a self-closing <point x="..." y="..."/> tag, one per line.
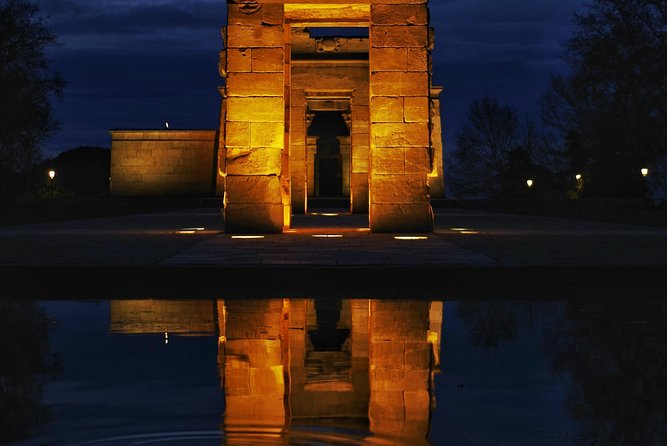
<point x="141" y="63"/>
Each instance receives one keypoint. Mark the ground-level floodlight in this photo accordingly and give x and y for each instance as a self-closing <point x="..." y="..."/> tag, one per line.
<point x="645" y="172"/>
<point x="530" y="183"/>
<point x="578" y="177"/>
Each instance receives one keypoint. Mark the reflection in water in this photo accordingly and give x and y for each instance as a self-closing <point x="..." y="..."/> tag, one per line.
<point x="615" y="354"/>
<point x="24" y="362"/>
<point x="290" y="364"/>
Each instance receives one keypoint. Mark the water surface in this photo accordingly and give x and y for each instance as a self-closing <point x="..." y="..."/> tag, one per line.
<point x="335" y="371"/>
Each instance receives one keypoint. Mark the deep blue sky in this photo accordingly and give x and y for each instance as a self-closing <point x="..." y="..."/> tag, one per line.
<point x="139" y="63"/>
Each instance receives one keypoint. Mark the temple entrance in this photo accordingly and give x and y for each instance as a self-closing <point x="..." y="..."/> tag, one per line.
<point x="331" y="168"/>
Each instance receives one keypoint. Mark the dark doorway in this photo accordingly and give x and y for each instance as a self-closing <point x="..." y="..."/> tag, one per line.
<point x="328" y="127"/>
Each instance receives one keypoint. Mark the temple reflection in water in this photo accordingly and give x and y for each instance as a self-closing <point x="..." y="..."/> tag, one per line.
<point x="367" y="364"/>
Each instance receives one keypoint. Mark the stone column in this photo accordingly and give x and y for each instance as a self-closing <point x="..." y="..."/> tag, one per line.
<point x="297" y="144"/>
<point x="255" y="118"/>
<point x="360" y="151"/>
<point x="344" y="144"/>
<point x="400" y="117"/>
<point x="311" y="149"/>
<point x="436" y="179"/>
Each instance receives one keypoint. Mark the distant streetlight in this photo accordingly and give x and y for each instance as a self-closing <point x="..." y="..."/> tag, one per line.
<point x="530" y="183"/>
<point x="644" y="172"/>
<point x="52" y="175"/>
<point x="578" y="177"/>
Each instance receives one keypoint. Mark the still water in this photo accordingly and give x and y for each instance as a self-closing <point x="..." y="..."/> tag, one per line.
<point x="341" y="372"/>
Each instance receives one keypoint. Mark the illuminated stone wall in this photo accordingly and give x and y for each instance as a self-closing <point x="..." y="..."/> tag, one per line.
<point x="265" y="142"/>
<point x="163" y="162"/>
<point x="400" y="116"/>
<point x="257" y="175"/>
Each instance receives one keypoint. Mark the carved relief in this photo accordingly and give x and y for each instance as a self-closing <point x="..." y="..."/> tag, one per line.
<point x="330" y="44"/>
<point x="247" y="6"/>
<point x="309" y="119"/>
<point x="347" y="117"/>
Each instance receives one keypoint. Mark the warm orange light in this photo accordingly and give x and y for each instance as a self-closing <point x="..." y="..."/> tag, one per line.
<point x="328" y="235"/>
<point x="247" y="237"/>
<point x="469" y="232"/>
<point x="644" y="172"/>
<point x="432" y="337"/>
<point x="52" y="174"/>
<point x="411" y="237"/>
<point x="460" y="229"/>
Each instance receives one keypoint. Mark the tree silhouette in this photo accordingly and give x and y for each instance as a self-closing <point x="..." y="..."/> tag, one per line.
<point x="27" y="81"/>
<point x="494" y="154"/>
<point x="611" y="109"/>
<point x="24" y="363"/>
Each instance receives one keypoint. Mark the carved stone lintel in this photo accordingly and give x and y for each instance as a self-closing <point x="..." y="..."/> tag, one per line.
<point x="247" y="6"/>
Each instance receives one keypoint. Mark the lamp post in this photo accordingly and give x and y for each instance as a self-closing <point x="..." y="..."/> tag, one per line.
<point x="52" y="175"/>
<point x="645" y="172"/>
<point x="530" y="183"/>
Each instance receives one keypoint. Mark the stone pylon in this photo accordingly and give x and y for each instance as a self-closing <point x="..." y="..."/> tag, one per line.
<point x="391" y="153"/>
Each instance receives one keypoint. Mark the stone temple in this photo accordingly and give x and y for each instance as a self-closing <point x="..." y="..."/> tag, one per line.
<point x="322" y="98"/>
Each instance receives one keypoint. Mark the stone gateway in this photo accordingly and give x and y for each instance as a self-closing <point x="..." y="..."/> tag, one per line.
<point x="322" y="100"/>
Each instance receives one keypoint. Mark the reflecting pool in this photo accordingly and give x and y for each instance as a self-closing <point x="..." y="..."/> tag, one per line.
<point x="332" y="371"/>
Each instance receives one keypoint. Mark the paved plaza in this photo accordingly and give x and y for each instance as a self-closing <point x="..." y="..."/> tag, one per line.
<point x="467" y="246"/>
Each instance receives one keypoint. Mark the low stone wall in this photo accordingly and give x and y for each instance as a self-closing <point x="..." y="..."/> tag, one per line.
<point x="163" y="162"/>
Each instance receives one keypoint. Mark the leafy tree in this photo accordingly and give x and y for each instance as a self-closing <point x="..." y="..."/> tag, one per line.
<point x="27" y="81"/>
<point x="494" y="155"/>
<point x="611" y="109"/>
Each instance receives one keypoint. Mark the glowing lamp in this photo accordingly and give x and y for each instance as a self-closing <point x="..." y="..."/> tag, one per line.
<point x="530" y="183"/>
<point x="578" y="177"/>
<point x="52" y="174"/>
<point x="644" y="172"/>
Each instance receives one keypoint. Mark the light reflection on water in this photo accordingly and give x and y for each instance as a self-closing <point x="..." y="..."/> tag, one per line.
<point x="346" y="371"/>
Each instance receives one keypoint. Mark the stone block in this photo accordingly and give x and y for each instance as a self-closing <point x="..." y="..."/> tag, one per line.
<point x="388" y="161"/>
<point x="254" y="161"/>
<point x="239" y="60"/>
<point x="237" y="134"/>
<point x="399" y="14"/>
<point x="389" y="59"/>
<point x="267" y="60"/>
<point x="260" y="109"/>
<point x="401" y="218"/>
<point x="417" y="59"/>
<point x="417" y="109"/>
<point x="392" y="83"/>
<point x="400" y="135"/>
<point x="417" y="160"/>
<point x="254" y="36"/>
<point x="270" y="14"/>
<point x="254" y="218"/>
<point x="267" y="134"/>
<point x="386" y="109"/>
<point x="252" y="189"/>
<point x="255" y="84"/>
<point x="399" y="36"/>
<point x="360" y="165"/>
